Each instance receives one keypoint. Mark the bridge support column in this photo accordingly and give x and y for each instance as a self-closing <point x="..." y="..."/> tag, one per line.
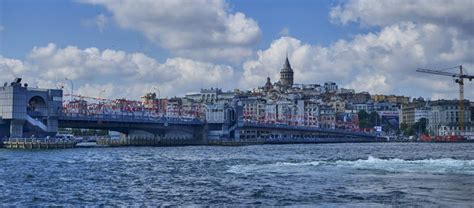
<point x="140" y="134"/>
<point x="16" y="128"/>
<point x="52" y="125"/>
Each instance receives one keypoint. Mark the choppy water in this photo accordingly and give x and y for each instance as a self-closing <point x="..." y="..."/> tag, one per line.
<point x="324" y="175"/>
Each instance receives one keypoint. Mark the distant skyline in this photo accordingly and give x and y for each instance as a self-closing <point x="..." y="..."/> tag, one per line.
<point x="127" y="48"/>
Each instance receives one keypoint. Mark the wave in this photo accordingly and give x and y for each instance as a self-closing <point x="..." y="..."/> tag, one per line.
<point x="437" y="166"/>
<point x="395" y="165"/>
<point x="272" y="167"/>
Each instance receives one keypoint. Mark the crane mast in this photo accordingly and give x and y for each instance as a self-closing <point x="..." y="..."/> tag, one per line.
<point x="460" y="81"/>
<point x="459" y="78"/>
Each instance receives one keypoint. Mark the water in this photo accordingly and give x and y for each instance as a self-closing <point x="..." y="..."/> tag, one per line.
<point x="318" y="174"/>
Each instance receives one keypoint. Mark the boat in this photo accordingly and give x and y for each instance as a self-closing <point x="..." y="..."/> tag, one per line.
<point x="447" y="138"/>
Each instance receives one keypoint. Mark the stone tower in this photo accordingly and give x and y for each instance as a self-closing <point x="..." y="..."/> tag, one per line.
<point x="286" y="74"/>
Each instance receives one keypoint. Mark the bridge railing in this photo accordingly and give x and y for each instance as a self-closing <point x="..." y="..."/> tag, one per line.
<point x="243" y="123"/>
<point x="130" y="118"/>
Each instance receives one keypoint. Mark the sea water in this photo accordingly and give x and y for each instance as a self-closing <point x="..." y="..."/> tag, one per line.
<point x="364" y="174"/>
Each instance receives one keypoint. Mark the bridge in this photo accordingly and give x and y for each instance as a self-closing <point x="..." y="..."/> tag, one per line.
<point x="31" y="112"/>
<point x="131" y="125"/>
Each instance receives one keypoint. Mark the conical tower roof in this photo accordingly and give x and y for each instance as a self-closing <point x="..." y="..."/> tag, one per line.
<point x="287" y="66"/>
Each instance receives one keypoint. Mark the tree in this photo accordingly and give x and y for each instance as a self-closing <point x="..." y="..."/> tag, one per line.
<point x="367" y="120"/>
<point x="420" y="126"/>
<point x="404" y="128"/>
<point x="364" y="119"/>
<point x="374" y="118"/>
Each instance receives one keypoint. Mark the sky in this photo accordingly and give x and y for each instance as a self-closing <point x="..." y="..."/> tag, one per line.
<point x="126" y="48"/>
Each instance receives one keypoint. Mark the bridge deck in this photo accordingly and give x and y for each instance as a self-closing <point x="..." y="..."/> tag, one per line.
<point x="123" y="118"/>
<point x="243" y="124"/>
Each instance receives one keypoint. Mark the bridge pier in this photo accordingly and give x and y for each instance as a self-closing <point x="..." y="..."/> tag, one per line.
<point x="16" y="128"/>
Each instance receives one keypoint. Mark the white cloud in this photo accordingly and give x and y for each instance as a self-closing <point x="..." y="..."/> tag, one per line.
<point x="119" y="73"/>
<point x="10" y="68"/>
<point x="100" y="22"/>
<point x="190" y="28"/>
<point x="380" y="62"/>
<point x="450" y="13"/>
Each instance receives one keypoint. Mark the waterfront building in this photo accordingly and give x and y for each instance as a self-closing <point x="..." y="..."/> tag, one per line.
<point x="444" y="118"/>
<point x="410" y="113"/>
<point x="311" y="112"/>
<point x="173" y="107"/>
<point x="385" y="106"/>
<point x="330" y="87"/>
<point x="361" y="97"/>
<point x="284" y="111"/>
<point x="271" y="112"/>
<point x="191" y="108"/>
<point x="367" y="107"/>
<point x="397" y="99"/>
<point x="211" y="95"/>
<point x="338" y="105"/>
<point x="379" y="98"/>
<point x="327" y="117"/>
<point x="472" y="111"/>
<point x="345" y="91"/>
<point x="149" y="101"/>
<point x="347" y="120"/>
<point x="253" y="108"/>
<point x="299" y="113"/>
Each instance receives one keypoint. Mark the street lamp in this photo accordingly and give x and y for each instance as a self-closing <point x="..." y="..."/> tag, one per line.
<point x="72" y="87"/>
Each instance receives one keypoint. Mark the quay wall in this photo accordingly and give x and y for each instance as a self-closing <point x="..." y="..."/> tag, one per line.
<point x="24" y="143"/>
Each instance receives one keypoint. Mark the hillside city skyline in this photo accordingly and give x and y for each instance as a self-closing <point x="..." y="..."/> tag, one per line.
<point x="119" y="50"/>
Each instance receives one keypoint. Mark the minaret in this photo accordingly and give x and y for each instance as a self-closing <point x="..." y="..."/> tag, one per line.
<point x="286" y="74"/>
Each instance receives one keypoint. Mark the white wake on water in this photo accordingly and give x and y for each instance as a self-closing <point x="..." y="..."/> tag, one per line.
<point x="395" y="165"/>
<point x="437" y="166"/>
<point x="272" y="167"/>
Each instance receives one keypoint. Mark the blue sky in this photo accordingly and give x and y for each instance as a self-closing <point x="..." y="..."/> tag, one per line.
<point x="129" y="47"/>
<point x="30" y="23"/>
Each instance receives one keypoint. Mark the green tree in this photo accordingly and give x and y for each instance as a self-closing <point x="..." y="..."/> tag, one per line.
<point x="420" y="126"/>
<point x="374" y="119"/>
<point x="404" y="128"/>
<point x="364" y="119"/>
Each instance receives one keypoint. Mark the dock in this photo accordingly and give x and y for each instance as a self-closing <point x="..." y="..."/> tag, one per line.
<point x="147" y="142"/>
<point x="24" y="143"/>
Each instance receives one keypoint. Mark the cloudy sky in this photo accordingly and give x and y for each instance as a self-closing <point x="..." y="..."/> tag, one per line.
<point x="126" y="48"/>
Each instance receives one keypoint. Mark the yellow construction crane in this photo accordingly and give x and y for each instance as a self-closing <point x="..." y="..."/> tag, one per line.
<point x="458" y="78"/>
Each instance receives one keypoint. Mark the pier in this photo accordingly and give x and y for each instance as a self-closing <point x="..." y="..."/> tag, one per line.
<point x="37" y="144"/>
<point x="147" y="141"/>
